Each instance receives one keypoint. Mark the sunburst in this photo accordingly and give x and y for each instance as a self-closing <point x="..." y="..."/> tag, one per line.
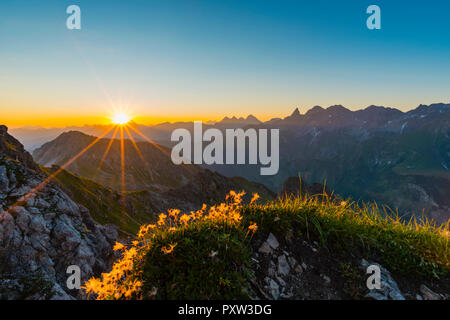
<point x="121" y="119"/>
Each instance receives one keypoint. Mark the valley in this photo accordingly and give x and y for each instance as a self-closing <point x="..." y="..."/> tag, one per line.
<point x="398" y="159"/>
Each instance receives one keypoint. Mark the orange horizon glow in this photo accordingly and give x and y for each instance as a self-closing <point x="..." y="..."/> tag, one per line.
<point x="31" y="120"/>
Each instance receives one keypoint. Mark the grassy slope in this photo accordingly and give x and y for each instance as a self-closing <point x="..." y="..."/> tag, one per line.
<point x="411" y="247"/>
<point x="218" y="252"/>
<point x="104" y="204"/>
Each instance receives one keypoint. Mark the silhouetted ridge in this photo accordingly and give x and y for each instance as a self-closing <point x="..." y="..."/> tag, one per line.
<point x="13" y="149"/>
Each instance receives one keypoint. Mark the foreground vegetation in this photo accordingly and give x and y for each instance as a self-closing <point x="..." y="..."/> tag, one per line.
<point x="207" y="254"/>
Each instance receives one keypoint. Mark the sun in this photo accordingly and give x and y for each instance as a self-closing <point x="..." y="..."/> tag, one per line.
<point x="121" y="119"/>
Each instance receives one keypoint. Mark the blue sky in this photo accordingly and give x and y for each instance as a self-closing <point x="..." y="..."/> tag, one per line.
<point x="206" y="59"/>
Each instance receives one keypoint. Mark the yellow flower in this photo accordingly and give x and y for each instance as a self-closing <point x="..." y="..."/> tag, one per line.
<point x="255" y="197"/>
<point x="118" y="246"/>
<point x="231" y="194"/>
<point x="174" y="213"/>
<point x="185" y="218"/>
<point x="253" y="227"/>
<point x="168" y="250"/>
<point x="144" y="230"/>
<point x="122" y="282"/>
<point x="162" y="219"/>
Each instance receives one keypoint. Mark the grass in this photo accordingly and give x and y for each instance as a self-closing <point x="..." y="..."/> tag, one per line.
<point x="207" y="254"/>
<point x="210" y="261"/>
<point x="104" y="204"/>
<point x="413" y="247"/>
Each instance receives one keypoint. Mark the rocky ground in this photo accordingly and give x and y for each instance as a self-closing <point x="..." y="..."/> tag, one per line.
<point x="287" y="269"/>
<point x="43" y="232"/>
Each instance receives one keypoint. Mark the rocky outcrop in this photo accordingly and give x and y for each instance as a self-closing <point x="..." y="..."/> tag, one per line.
<point x="388" y="287"/>
<point x="43" y="232"/>
<point x="10" y="147"/>
<point x="289" y="268"/>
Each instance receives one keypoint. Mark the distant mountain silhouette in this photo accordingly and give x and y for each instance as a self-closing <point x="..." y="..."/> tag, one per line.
<point x="245" y="121"/>
<point x="377" y="153"/>
<point x="401" y="159"/>
<point x="154" y="170"/>
<point x="153" y="177"/>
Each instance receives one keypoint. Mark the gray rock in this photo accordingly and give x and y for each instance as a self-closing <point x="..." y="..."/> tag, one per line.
<point x="41" y="204"/>
<point x="327" y="279"/>
<point x="7" y="222"/>
<point x="428" y="294"/>
<point x="272" y="241"/>
<point x="66" y="205"/>
<point x="33" y="210"/>
<point x="298" y="269"/>
<point x="4" y="181"/>
<point x="292" y="262"/>
<point x="60" y="294"/>
<point x="389" y="288"/>
<point x="271" y="270"/>
<point x="30" y="200"/>
<point x="22" y="219"/>
<point x="265" y="248"/>
<point x="12" y="178"/>
<point x="268" y="245"/>
<point x="274" y="288"/>
<point x="49" y="215"/>
<point x="38" y="224"/>
<point x="283" y="265"/>
<point x="14" y="238"/>
<point x="281" y="281"/>
<point x="37" y="242"/>
<point x="21" y="191"/>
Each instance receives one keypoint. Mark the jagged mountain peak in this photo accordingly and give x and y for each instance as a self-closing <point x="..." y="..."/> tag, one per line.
<point x="296" y="113"/>
<point x="434" y="107"/>
<point x="250" y="119"/>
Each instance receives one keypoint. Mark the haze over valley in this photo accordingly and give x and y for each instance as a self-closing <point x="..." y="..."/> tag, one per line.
<point x="398" y="159"/>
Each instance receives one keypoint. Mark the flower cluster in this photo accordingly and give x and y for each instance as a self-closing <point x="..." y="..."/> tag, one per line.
<point x="124" y="280"/>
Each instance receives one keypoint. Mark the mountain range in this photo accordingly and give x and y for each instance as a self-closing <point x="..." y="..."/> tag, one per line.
<point x="308" y="247"/>
<point x="399" y="159"/>
<point x="377" y="154"/>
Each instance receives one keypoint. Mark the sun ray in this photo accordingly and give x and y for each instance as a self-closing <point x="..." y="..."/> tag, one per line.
<point x="158" y="147"/>
<point x="138" y="151"/>
<point x="60" y="169"/>
<point x="93" y="72"/>
<point x="107" y="151"/>
<point x="122" y="166"/>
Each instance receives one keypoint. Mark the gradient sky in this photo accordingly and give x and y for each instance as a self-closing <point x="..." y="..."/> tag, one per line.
<point x="172" y="60"/>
